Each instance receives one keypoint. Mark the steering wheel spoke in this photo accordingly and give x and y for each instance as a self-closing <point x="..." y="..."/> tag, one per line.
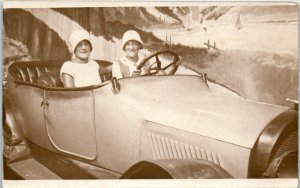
<point x="153" y="70"/>
<point x="169" y="65"/>
<point x="158" y="62"/>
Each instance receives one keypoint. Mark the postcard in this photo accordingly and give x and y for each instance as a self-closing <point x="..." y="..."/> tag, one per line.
<point x="134" y="94"/>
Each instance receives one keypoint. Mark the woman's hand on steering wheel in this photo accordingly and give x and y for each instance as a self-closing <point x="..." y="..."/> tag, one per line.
<point x="158" y="70"/>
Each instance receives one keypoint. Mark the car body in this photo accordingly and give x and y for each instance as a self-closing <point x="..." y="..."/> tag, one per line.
<point x="142" y="127"/>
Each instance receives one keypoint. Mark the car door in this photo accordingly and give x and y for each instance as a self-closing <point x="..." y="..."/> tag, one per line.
<point x="70" y="122"/>
<point x="30" y="114"/>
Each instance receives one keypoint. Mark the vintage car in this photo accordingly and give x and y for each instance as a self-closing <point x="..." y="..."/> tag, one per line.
<point x="147" y="127"/>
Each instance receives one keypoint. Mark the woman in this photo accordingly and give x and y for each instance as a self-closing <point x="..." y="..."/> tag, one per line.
<point x="80" y="71"/>
<point x="126" y="66"/>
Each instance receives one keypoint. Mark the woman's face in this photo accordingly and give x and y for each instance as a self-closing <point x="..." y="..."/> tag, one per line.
<point x="83" y="50"/>
<point x="132" y="48"/>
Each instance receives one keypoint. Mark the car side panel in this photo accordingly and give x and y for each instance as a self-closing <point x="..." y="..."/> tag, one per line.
<point x="162" y="142"/>
<point x="118" y="120"/>
<point x="119" y="116"/>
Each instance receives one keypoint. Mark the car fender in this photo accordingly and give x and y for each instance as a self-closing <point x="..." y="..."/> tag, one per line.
<point x="176" y="169"/>
<point x="10" y="122"/>
<point x="14" y="145"/>
<point x="277" y="138"/>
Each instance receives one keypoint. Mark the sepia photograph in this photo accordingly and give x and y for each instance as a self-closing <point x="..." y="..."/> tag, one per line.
<point x="133" y="94"/>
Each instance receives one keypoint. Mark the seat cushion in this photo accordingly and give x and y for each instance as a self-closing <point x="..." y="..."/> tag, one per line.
<point x="50" y="79"/>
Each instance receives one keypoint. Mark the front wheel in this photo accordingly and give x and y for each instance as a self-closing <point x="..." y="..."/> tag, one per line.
<point x="176" y="169"/>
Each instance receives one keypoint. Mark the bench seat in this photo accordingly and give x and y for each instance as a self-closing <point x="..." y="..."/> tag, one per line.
<point x="48" y="73"/>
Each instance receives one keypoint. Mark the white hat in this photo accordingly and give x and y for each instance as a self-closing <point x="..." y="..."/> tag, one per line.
<point x="78" y="36"/>
<point x="131" y="35"/>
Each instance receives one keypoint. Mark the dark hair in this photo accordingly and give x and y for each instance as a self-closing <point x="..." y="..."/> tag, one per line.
<point x="140" y="45"/>
<point x="86" y="41"/>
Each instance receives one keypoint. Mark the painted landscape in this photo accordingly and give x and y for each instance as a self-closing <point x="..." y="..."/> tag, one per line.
<point x="253" y="48"/>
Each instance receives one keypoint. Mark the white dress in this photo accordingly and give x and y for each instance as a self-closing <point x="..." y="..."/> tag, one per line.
<point x="84" y="74"/>
<point x="116" y="69"/>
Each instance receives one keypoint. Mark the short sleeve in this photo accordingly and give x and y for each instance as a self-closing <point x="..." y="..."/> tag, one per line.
<point x="67" y="68"/>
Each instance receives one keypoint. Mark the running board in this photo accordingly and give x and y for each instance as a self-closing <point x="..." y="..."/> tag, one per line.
<point x="30" y="169"/>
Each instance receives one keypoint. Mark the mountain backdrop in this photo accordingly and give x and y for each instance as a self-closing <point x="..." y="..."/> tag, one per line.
<point x="43" y="34"/>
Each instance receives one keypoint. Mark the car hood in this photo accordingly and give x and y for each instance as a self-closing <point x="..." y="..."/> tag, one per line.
<point x="229" y="119"/>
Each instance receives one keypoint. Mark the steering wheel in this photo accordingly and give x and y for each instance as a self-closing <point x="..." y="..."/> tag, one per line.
<point x="158" y="69"/>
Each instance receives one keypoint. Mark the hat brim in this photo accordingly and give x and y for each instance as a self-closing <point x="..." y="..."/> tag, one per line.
<point x="140" y="43"/>
<point x="83" y="40"/>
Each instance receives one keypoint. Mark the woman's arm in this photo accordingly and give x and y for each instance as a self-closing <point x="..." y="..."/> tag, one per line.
<point x="68" y="80"/>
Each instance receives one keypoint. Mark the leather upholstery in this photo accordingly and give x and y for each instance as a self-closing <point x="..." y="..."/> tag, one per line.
<point x="45" y="73"/>
<point x="50" y="79"/>
<point x="37" y="73"/>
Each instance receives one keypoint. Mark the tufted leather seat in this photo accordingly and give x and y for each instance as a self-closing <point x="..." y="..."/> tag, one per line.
<point x="50" y="79"/>
<point x="47" y="73"/>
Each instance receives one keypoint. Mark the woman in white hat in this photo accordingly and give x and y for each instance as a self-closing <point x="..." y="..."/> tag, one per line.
<point x="126" y="66"/>
<point x="80" y="71"/>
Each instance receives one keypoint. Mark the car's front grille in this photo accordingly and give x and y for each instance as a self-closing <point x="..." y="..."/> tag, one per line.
<point x="287" y="143"/>
<point x="166" y="148"/>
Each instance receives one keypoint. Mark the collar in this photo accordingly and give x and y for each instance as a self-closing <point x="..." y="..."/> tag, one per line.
<point x="128" y="62"/>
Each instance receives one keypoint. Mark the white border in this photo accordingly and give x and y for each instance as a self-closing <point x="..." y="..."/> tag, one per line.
<point x="56" y="4"/>
<point x="237" y="183"/>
